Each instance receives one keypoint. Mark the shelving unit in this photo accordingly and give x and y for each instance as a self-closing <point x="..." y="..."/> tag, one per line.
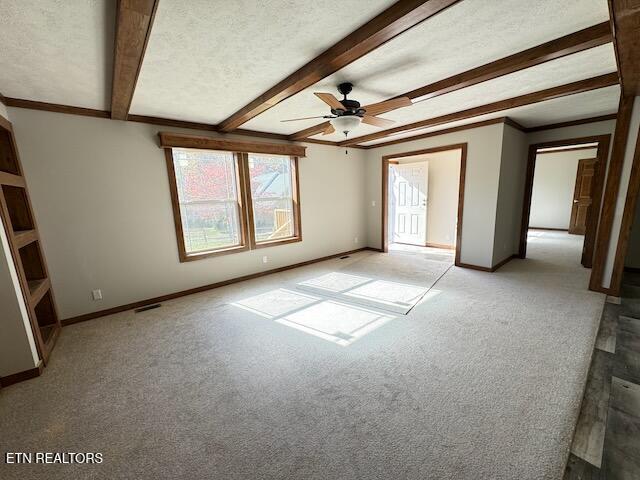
<point x="19" y="223"/>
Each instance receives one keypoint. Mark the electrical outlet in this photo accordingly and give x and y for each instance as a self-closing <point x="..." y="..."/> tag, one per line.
<point x="373" y="203"/>
<point x="355" y="240"/>
<point x="265" y="259"/>
<point x="97" y="294"/>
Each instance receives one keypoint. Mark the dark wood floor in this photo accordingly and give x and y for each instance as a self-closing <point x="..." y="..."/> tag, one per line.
<point x="607" y="439"/>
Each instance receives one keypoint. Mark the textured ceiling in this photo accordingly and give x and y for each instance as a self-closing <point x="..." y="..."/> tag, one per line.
<point x="603" y="101"/>
<point x="586" y="64"/>
<point x="57" y="51"/>
<point x="206" y="59"/>
<point x="467" y="35"/>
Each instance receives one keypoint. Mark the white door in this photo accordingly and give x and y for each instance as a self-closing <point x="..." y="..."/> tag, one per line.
<point x="408" y="203"/>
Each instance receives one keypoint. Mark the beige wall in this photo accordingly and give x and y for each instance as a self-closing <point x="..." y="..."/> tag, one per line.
<point x="101" y="198"/>
<point x="553" y="187"/>
<point x="100" y="194"/>
<point x="481" y="188"/>
<point x="606" y="127"/>
<point x="513" y="168"/>
<point x="3" y="111"/>
<point x="442" y="194"/>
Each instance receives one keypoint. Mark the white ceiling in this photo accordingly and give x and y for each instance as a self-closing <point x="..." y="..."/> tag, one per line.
<point x="603" y="101"/>
<point x="57" y="51"/>
<point x="467" y="35"/>
<point x="586" y="64"/>
<point x="206" y="59"/>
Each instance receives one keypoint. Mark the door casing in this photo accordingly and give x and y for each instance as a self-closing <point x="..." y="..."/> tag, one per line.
<point x="602" y="155"/>
<point x="385" y="184"/>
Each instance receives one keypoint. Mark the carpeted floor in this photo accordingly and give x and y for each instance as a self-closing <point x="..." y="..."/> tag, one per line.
<point x="482" y="379"/>
<point x="394" y="283"/>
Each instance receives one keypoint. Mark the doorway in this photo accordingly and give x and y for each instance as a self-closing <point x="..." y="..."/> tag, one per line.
<point x="408" y="188"/>
<point x="423" y="194"/>
<point x="563" y="191"/>
<point x="582" y="195"/>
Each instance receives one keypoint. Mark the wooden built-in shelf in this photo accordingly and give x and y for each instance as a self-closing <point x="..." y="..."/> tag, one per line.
<point x="47" y="320"/>
<point x="17" y="201"/>
<point x="24" y="237"/>
<point x="19" y="223"/>
<point x="48" y="333"/>
<point x="11" y="179"/>
<point x="9" y="162"/>
<point x="37" y="289"/>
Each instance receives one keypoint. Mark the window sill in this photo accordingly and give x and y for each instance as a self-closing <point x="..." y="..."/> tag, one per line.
<point x="280" y="241"/>
<point x="190" y="257"/>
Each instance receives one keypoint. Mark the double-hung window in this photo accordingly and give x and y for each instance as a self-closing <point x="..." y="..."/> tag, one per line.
<point x="272" y="198"/>
<point x="228" y="201"/>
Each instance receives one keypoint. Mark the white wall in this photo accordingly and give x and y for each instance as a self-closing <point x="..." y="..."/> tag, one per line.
<point x="101" y="198"/>
<point x="513" y="169"/>
<point x="481" y="188"/>
<point x="442" y="194"/>
<point x="553" y="187"/>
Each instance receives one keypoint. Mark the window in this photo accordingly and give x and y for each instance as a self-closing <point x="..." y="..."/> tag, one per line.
<point x="272" y="197"/>
<point x="209" y="199"/>
<point x="225" y="202"/>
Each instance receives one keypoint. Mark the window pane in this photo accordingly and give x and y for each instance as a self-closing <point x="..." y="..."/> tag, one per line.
<point x="210" y="226"/>
<point x="208" y="198"/>
<point x="271" y="191"/>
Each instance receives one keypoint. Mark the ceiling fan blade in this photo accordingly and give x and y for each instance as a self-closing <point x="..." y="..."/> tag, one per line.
<point x="330" y="100"/>
<point x="303" y="118"/>
<point x="377" y="121"/>
<point x="388" y="105"/>
<point x="329" y="130"/>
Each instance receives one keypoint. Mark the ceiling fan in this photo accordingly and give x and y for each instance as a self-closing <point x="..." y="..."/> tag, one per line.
<point x="346" y="114"/>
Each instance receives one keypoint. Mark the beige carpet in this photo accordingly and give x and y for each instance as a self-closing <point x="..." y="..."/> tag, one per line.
<point x="394" y="282"/>
<point x="481" y="380"/>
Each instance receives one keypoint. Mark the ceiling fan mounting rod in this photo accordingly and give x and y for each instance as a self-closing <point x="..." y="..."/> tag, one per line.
<point x="345" y="88"/>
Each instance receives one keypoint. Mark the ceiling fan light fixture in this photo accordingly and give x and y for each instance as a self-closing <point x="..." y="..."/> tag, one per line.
<point x="346" y="123"/>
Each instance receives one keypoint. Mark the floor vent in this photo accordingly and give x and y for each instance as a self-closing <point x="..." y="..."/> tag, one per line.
<point x="148" y="307"/>
<point x="346" y="256"/>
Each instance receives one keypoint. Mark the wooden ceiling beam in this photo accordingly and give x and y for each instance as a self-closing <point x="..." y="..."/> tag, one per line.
<point x="581" y="86"/>
<point x="625" y="24"/>
<point x="134" y="20"/>
<point x="395" y="20"/>
<point x="558" y="48"/>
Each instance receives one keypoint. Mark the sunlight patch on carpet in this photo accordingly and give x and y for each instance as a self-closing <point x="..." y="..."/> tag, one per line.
<point x="331" y="320"/>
